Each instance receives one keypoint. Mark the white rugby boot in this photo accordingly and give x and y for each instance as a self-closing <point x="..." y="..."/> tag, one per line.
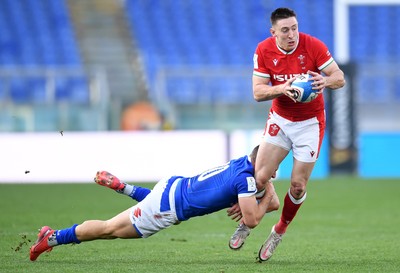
<point x="269" y="246"/>
<point x="239" y="237"/>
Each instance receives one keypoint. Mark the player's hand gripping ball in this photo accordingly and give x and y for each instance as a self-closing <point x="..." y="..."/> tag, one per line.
<point x="302" y="89"/>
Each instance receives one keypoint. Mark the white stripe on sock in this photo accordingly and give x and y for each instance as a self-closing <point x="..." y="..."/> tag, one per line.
<point x="297" y="201"/>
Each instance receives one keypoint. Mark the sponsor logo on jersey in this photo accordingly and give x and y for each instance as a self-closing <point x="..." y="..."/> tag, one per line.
<point x="275" y="61"/>
<point x="137" y="213"/>
<point x="285" y="77"/>
<point x="312" y="153"/>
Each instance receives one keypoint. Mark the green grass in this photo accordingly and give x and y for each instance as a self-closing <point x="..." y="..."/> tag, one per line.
<point x="345" y="225"/>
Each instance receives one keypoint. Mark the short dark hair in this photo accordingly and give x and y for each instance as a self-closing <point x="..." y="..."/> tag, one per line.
<point x="281" y="13"/>
<point x="253" y="155"/>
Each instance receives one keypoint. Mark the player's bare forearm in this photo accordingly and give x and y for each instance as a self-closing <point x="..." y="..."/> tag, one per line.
<point x="262" y="92"/>
<point x="271" y="204"/>
<point x="334" y="76"/>
<point x="335" y="80"/>
<point x="265" y="202"/>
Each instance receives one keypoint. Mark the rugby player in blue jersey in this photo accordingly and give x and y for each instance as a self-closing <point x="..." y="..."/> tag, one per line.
<point x="171" y="201"/>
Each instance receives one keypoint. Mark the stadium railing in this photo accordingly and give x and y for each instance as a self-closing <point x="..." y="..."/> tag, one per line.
<point x="46" y="99"/>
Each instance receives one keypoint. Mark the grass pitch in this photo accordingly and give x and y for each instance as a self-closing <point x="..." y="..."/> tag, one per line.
<point x="345" y="225"/>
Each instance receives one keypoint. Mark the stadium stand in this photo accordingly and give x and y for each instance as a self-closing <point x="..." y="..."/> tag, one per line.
<point x="219" y="33"/>
<point x="190" y="35"/>
<point x="38" y="34"/>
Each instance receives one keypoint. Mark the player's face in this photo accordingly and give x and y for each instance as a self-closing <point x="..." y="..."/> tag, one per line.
<point x="286" y="32"/>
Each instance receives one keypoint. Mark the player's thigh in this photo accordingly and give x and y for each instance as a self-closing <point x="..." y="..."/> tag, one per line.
<point x="269" y="158"/>
<point x="121" y="225"/>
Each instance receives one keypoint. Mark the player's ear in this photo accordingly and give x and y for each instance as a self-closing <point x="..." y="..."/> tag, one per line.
<point x="272" y="31"/>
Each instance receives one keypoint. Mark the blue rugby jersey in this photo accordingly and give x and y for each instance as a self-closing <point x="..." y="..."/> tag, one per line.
<point x="214" y="189"/>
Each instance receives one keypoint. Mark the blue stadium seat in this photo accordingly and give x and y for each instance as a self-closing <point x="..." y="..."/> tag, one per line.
<point x="72" y="89"/>
<point x="79" y="90"/>
<point x="19" y="90"/>
<point x="37" y="87"/>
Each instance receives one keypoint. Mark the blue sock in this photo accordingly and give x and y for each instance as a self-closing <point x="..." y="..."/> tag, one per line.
<point x="139" y="193"/>
<point x="67" y="236"/>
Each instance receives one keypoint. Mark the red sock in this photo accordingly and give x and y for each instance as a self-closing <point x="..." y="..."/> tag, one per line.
<point x="290" y="208"/>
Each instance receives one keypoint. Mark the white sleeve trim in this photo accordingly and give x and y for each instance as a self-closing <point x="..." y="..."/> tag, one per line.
<point x="324" y="65"/>
<point x="247" y="194"/>
<point x="259" y="74"/>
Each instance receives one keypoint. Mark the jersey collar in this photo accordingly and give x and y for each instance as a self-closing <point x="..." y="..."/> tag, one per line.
<point x="285" y="52"/>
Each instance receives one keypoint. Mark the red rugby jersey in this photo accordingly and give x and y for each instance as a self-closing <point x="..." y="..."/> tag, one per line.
<point x="278" y="65"/>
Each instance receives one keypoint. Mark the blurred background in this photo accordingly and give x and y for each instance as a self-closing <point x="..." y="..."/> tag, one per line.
<point x="162" y="65"/>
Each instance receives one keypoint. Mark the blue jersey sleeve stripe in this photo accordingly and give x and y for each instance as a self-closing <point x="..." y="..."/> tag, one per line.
<point x="178" y="202"/>
<point x="165" y="205"/>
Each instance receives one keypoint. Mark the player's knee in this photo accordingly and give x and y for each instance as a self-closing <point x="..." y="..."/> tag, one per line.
<point x="297" y="189"/>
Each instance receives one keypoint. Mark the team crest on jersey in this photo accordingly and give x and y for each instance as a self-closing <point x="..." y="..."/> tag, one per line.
<point x="302" y="59"/>
<point x="273" y="129"/>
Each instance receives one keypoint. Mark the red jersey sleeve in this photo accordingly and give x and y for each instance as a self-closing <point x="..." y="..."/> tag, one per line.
<point x="260" y="69"/>
<point x="320" y="53"/>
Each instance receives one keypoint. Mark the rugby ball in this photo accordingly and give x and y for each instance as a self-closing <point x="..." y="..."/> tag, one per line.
<point x="302" y="89"/>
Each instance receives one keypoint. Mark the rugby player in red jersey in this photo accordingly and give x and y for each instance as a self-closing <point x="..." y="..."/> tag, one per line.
<point x="291" y="125"/>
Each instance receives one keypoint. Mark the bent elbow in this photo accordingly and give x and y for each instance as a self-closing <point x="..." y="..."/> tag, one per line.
<point x="257" y="98"/>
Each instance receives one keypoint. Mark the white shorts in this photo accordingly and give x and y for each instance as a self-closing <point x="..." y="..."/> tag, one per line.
<point x="304" y="138"/>
<point x="146" y="216"/>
